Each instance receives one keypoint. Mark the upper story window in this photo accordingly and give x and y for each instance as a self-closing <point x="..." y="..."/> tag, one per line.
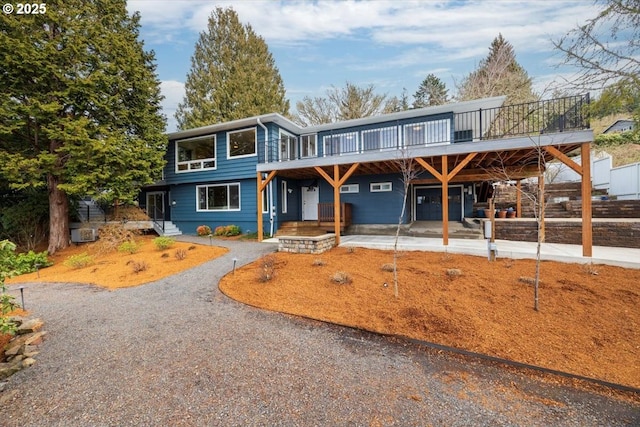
<point x="288" y="146"/>
<point x="308" y="146"/>
<point x="432" y="132"/>
<point x="196" y="154"/>
<point x="242" y="143"/>
<point x="380" y="139"/>
<point x="343" y="143"/>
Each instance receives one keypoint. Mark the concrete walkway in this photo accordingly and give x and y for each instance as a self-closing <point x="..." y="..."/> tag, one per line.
<point x="622" y="257"/>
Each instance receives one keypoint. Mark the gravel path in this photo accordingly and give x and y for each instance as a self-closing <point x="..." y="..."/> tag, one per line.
<point x="179" y="353"/>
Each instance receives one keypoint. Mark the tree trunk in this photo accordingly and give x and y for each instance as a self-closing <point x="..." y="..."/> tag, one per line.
<point x="58" y="216"/>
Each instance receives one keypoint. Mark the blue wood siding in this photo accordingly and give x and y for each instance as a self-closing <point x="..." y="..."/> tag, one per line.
<point x="185" y="216"/>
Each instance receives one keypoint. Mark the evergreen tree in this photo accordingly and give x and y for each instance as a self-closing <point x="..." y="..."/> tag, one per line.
<point x="349" y="102"/>
<point x="233" y="75"/>
<point x="432" y="91"/>
<point x="79" y="106"/>
<point x="498" y="74"/>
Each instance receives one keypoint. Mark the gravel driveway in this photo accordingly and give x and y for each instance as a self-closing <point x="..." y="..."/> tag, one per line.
<point x="179" y="353"/>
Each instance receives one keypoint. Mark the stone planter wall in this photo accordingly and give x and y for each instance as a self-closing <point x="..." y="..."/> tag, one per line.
<point x="19" y="352"/>
<point x="306" y="244"/>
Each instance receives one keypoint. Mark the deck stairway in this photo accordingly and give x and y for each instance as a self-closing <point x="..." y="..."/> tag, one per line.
<point x="89" y="210"/>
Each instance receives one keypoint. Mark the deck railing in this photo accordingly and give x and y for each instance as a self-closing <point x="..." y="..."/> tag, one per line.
<point x="326" y="214"/>
<point x="531" y="118"/>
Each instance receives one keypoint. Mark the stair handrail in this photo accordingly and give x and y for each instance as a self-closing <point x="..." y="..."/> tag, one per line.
<point x="158" y="217"/>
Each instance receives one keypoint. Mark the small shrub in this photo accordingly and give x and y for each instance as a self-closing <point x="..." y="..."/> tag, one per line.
<point x="139" y="266"/>
<point x="454" y="272"/>
<point x="266" y="268"/>
<point x="351" y="250"/>
<point x="79" y="261"/>
<point x="130" y="247"/>
<point x="163" y="242"/>
<point x="180" y="254"/>
<point x="203" y="230"/>
<point x="341" y="278"/>
<point x="227" y="230"/>
<point x="318" y="262"/>
<point x="387" y="267"/>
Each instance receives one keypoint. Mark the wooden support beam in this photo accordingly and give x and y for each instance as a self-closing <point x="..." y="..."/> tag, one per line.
<point x="268" y="179"/>
<point x="461" y="165"/>
<point x="429" y="168"/>
<point x="348" y="174"/>
<point x="324" y="175"/>
<point x="563" y="158"/>
<point x="445" y="202"/>
<point x="587" y="231"/>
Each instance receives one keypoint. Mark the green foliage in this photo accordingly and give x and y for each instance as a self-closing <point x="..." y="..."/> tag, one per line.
<point x="613" y="139"/>
<point x="80" y="109"/>
<point x="233" y="75"/>
<point x="622" y="97"/>
<point x="13" y="264"/>
<point x="432" y="91"/>
<point x="7" y="304"/>
<point x="24" y="217"/>
<point x="129" y="246"/>
<point x="163" y="242"/>
<point x="227" y="230"/>
<point x="79" y="261"/>
<point x="498" y="74"/>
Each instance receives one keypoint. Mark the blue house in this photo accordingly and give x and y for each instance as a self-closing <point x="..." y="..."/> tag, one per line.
<point x="262" y="171"/>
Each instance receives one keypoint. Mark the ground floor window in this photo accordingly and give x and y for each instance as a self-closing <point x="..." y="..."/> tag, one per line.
<point x="219" y="197"/>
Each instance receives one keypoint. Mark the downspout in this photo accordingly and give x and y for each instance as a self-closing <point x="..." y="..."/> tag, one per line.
<point x="266" y="153"/>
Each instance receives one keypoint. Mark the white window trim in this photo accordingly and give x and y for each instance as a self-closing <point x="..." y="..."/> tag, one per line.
<point x="350" y="188"/>
<point x="198" y="187"/>
<point x="255" y="142"/>
<point x="380" y="187"/>
<point x="302" y="142"/>
<point x="282" y="133"/>
<point x="265" y="200"/>
<point x="285" y="198"/>
<point x="201" y="161"/>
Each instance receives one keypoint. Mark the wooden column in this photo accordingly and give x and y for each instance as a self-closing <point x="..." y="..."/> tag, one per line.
<point x="587" y="233"/>
<point x="445" y="201"/>
<point x="519" y="199"/>
<point x="260" y="186"/>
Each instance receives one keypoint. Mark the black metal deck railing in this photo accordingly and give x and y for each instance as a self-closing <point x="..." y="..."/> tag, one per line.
<point x="508" y="121"/>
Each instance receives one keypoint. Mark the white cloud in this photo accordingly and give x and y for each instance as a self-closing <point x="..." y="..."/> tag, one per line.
<point x="173" y="92"/>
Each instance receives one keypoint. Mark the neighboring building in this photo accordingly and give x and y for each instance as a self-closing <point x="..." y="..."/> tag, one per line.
<point x="213" y="173"/>
<point x="621" y="125"/>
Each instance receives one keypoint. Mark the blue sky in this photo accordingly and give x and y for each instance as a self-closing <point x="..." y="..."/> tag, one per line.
<point x="390" y="44"/>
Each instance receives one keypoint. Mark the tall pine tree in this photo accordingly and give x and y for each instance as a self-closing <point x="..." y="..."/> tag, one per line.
<point x="79" y="106"/>
<point x="432" y="91"/>
<point x="498" y="74"/>
<point x="233" y="75"/>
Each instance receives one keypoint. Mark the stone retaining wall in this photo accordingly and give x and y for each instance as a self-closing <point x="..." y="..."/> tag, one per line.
<point x="306" y="244"/>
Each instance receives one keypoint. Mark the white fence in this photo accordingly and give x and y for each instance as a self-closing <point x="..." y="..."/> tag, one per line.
<point x="622" y="182"/>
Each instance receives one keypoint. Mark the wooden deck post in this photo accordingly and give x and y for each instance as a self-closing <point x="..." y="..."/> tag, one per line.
<point x="336" y="203"/>
<point x="519" y="199"/>
<point x="445" y="201"/>
<point x="587" y="233"/>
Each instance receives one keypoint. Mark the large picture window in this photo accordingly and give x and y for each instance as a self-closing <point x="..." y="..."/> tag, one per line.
<point x="380" y="139"/>
<point x="432" y="132"/>
<point x="196" y="154"/>
<point x="219" y="197"/>
<point x="242" y="143"/>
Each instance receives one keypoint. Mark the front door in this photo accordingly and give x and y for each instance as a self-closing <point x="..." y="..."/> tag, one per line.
<point x="310" y="199"/>
<point x="428" y="203"/>
<point x="155" y="205"/>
